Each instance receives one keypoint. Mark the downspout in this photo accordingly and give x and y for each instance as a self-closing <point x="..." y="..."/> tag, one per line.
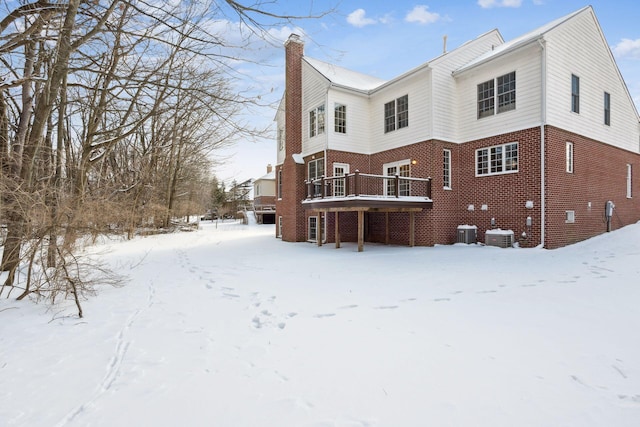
<point x="543" y="122"/>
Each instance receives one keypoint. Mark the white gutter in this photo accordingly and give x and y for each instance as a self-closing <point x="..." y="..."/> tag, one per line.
<point x="543" y="122"/>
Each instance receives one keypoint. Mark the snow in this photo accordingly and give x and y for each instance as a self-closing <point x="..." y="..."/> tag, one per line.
<point x="499" y="232"/>
<point x="343" y="77"/>
<point x="230" y="326"/>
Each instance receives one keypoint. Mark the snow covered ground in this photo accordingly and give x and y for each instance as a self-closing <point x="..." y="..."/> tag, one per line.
<point x="229" y="326"/>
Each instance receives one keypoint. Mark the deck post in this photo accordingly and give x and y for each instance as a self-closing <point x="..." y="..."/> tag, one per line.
<point x="337" y="237"/>
<point x="386" y="228"/>
<point x="319" y="228"/>
<point x="412" y="229"/>
<point x="357" y="183"/>
<point x="396" y="185"/>
<point x="360" y="231"/>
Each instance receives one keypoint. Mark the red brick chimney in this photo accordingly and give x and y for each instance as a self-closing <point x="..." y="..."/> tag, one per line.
<point x="289" y="207"/>
<point x="269" y="168"/>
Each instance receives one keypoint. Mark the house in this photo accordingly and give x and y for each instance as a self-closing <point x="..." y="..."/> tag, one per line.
<point x="264" y="197"/>
<point x="538" y="135"/>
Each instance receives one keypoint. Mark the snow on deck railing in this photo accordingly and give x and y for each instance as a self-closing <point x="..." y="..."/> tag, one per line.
<point x="361" y="184"/>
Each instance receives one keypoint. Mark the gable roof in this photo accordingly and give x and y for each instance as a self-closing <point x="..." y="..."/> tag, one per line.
<point x="343" y="77"/>
<point x="271" y="176"/>
<point x="518" y="42"/>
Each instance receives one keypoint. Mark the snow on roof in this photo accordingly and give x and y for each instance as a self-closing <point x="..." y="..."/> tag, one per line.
<point x="519" y="41"/>
<point x="270" y="176"/>
<point x="343" y="77"/>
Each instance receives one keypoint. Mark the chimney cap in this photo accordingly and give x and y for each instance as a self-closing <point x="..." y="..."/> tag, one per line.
<point x="294" y="38"/>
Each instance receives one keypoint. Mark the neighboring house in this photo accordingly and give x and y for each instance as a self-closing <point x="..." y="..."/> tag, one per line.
<point x="534" y="135"/>
<point x="264" y="197"/>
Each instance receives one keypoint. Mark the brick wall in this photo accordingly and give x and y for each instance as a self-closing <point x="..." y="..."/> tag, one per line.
<point x="600" y="174"/>
<point x="504" y="195"/>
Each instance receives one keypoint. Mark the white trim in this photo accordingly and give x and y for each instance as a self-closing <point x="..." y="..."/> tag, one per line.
<point x="446" y="187"/>
<point x="629" y="181"/>
<point x="504" y="159"/>
<point x="569" y="157"/>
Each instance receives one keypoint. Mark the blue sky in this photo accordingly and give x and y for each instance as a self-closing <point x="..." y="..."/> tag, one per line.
<point x="387" y="38"/>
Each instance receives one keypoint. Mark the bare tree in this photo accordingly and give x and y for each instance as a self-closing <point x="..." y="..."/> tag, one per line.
<point x="109" y="111"/>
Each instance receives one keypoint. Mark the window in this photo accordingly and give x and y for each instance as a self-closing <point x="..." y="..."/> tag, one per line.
<point x="316" y="121"/>
<point x="485" y="99"/>
<point x="396" y="114"/>
<point x="280" y="139"/>
<point x="607" y="109"/>
<point x="339" y="169"/>
<point x="313" y="228"/>
<point x="389" y="116"/>
<point x="316" y="170"/>
<point x="569" y="157"/>
<point x="505" y="86"/>
<point x="507" y="92"/>
<point x="498" y="159"/>
<point x="569" y="217"/>
<point x="403" y="111"/>
<point x="401" y="168"/>
<point x="575" y="93"/>
<point x="446" y="169"/>
<point x="629" y="194"/>
<point x="280" y="184"/>
<point x="340" y="118"/>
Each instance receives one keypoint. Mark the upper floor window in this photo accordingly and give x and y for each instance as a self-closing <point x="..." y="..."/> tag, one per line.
<point x="403" y="169"/>
<point x="575" y="93"/>
<point x="507" y="92"/>
<point x="505" y="89"/>
<point x="280" y="184"/>
<point x="569" y="157"/>
<point x="340" y="118"/>
<point x="497" y="159"/>
<point x="316" y="121"/>
<point x="396" y="114"/>
<point x="607" y="109"/>
<point x="446" y="169"/>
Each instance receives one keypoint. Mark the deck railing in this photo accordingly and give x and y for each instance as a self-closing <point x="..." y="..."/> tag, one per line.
<point x="367" y="185"/>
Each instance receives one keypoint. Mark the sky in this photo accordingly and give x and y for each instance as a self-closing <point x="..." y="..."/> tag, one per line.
<point x="386" y="39"/>
<point x="228" y="326"/>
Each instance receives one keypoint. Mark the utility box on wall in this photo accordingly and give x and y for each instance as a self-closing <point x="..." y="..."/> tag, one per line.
<point x="467" y="234"/>
<point x="499" y="238"/>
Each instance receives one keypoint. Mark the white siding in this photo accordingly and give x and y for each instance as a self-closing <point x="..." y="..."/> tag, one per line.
<point x="578" y="47"/>
<point x="526" y="64"/>
<point x="445" y="108"/>
<point x="358" y="135"/>
<point x="280" y="124"/>
<point x="314" y="94"/>
<point x="418" y="87"/>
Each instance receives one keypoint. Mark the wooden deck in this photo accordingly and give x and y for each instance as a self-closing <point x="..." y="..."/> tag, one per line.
<point x="362" y="193"/>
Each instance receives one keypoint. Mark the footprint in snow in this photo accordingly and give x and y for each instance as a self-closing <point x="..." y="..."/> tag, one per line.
<point x="323" y="315"/>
